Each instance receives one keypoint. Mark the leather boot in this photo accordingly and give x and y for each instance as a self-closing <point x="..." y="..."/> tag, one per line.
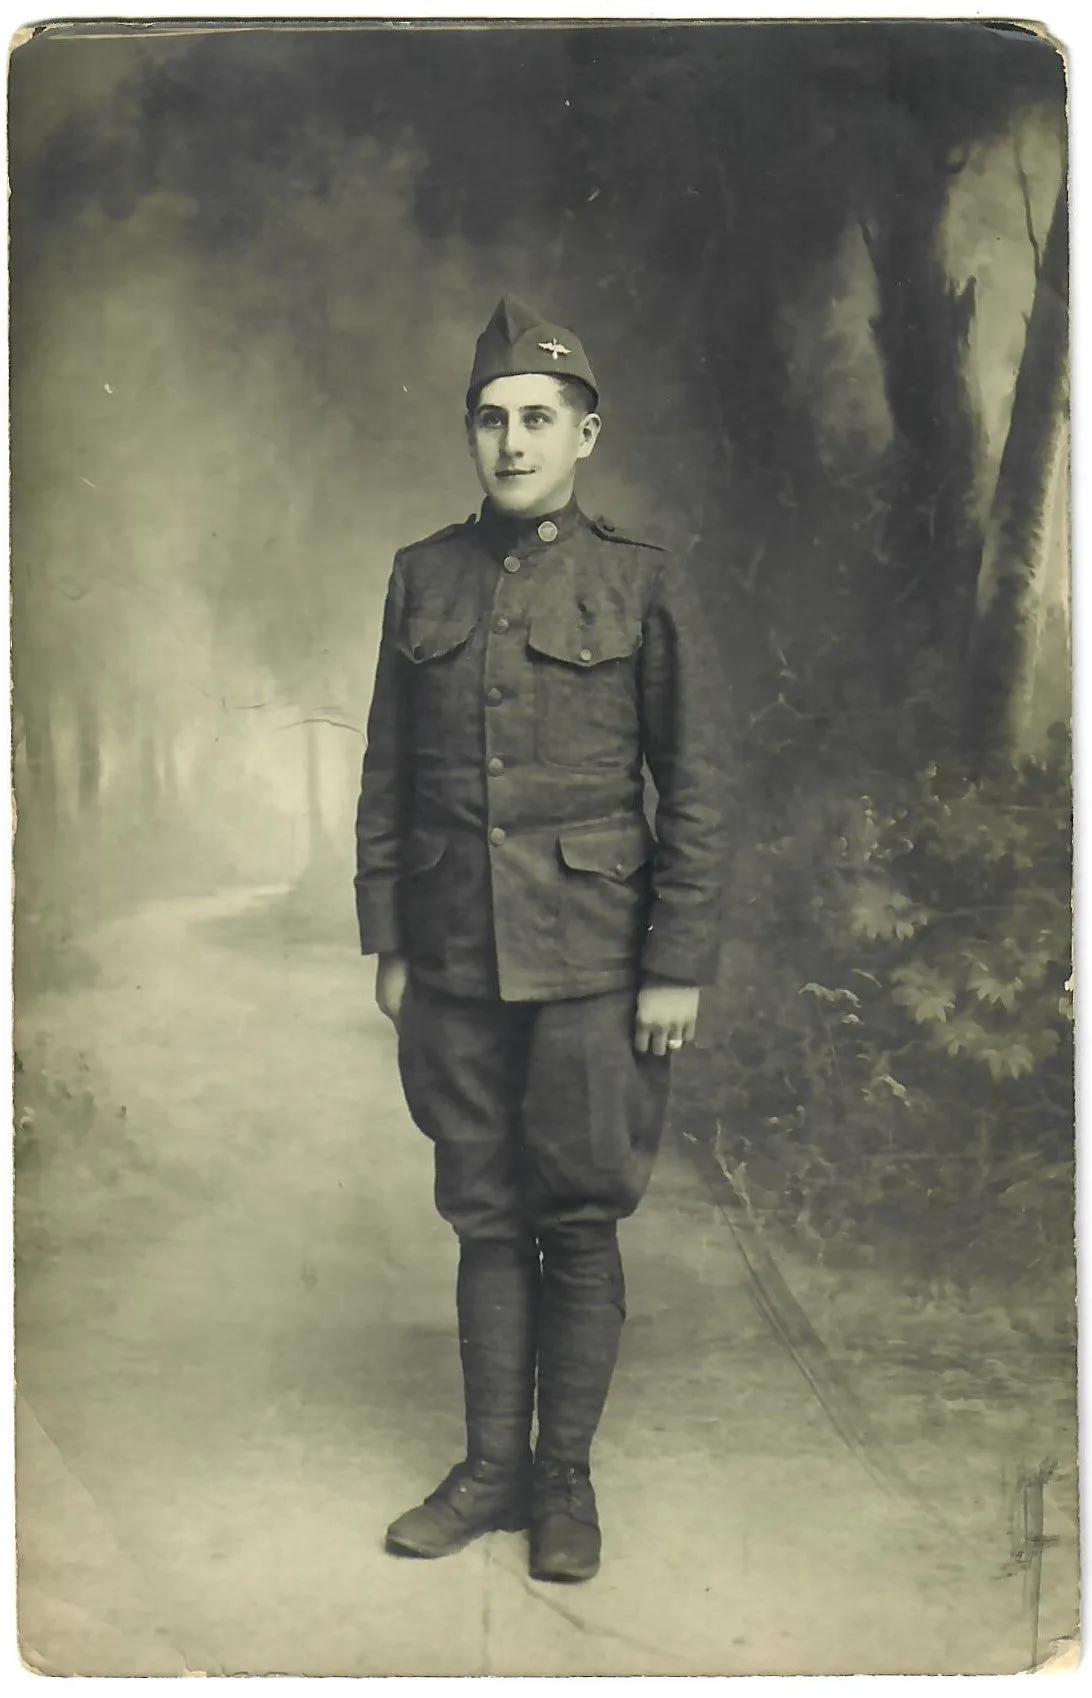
<point x="580" y="1330"/>
<point x="497" y="1297"/>
<point x="497" y="1301"/>
<point x="565" y="1537"/>
<point x="476" y="1497"/>
<point x="583" y="1311"/>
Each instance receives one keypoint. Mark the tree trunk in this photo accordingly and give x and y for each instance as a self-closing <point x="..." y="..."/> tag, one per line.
<point x="150" y="789"/>
<point x="168" y="775"/>
<point x="1031" y="477"/>
<point x="921" y="327"/>
<point x="1043" y="713"/>
<point x="89" y="755"/>
<point x="315" y="831"/>
<point x="41" y="763"/>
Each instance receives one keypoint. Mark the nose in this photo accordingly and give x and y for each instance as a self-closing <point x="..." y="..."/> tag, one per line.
<point x="512" y="440"/>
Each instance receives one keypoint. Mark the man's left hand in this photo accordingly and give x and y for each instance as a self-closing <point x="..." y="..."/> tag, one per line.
<point x="667" y="1017"/>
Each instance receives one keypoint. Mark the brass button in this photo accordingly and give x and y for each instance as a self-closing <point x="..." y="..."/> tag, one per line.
<point x="494" y="696"/>
<point x="619" y="869"/>
<point x="496" y="765"/>
<point x="497" y="835"/>
<point x="500" y="624"/>
<point x="511" y="564"/>
<point x="585" y="654"/>
<point x="548" y="531"/>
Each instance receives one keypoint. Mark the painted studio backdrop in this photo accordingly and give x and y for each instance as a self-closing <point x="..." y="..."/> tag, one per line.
<point x="821" y="274"/>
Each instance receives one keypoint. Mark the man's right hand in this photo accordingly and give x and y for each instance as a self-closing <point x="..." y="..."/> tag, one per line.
<point x="390" y="986"/>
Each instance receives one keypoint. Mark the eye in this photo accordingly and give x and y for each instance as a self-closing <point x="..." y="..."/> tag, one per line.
<point x="535" y="421"/>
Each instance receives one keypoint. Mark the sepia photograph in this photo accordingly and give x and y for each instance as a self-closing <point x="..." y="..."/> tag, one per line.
<point x="542" y="768"/>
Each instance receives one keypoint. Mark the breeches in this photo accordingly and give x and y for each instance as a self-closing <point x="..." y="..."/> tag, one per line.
<point x="541" y="1114"/>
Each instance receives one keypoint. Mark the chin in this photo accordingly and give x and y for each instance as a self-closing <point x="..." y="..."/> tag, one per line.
<point x="514" y="498"/>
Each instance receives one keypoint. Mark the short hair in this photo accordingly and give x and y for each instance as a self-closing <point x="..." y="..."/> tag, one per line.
<point x="575" y="395"/>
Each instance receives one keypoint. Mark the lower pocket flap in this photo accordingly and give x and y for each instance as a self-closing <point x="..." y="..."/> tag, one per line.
<point x="423" y="849"/>
<point x="613" y="851"/>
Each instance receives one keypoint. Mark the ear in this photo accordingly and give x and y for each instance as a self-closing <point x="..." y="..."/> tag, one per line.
<point x="590" y="426"/>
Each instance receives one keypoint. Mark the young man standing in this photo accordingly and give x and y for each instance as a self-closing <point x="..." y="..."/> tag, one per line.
<point x="540" y="947"/>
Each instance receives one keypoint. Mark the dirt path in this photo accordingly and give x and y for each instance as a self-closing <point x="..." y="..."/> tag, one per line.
<point x="237" y="1362"/>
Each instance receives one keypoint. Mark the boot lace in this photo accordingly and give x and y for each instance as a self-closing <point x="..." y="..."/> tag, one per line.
<point x="563" y="1488"/>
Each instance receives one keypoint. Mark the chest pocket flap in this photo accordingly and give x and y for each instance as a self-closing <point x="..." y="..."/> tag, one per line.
<point x="584" y="638"/>
<point x="426" y="636"/>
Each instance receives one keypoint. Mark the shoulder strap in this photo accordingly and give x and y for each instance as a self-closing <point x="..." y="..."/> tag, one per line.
<point x="441" y="535"/>
<point x="610" y="532"/>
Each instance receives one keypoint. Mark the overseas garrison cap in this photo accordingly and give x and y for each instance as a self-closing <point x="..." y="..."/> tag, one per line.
<point x="518" y="339"/>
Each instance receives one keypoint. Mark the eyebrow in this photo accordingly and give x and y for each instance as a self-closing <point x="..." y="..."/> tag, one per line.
<point x="527" y="407"/>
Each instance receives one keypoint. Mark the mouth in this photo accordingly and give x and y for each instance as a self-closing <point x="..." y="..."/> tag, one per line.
<point x="517" y="472"/>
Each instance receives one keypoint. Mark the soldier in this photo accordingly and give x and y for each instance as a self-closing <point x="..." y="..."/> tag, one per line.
<point x="540" y="947"/>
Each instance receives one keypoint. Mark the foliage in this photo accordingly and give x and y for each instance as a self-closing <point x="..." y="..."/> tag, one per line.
<point x="270" y="234"/>
<point x="893" y="1057"/>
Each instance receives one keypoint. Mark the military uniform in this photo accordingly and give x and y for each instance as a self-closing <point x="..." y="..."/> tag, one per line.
<point x="528" y="671"/>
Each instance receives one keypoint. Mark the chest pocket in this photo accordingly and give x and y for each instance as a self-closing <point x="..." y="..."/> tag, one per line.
<point x="584" y="663"/>
<point x="442" y="669"/>
<point x="425" y="637"/>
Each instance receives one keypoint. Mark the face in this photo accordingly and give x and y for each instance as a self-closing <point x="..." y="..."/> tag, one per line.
<point x="525" y="442"/>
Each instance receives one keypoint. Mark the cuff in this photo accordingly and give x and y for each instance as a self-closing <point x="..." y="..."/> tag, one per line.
<point x="377" y="919"/>
<point x="678" y="964"/>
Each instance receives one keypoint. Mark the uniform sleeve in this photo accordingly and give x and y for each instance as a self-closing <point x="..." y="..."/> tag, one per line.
<point x="382" y="808"/>
<point x="683" y="717"/>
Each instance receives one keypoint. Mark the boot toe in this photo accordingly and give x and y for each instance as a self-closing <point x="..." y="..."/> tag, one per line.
<point x="564" y="1550"/>
<point x="462" y="1508"/>
<point x="425" y="1532"/>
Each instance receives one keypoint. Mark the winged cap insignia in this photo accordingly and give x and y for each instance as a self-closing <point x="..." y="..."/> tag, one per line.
<point x="519" y="339"/>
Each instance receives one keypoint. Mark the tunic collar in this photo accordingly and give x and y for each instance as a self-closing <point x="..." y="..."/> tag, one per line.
<point x="506" y="535"/>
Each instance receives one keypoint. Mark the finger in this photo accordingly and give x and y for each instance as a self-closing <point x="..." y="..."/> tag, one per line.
<point x="690" y="1031"/>
<point x="640" y="1039"/>
<point x="659" y="1041"/>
